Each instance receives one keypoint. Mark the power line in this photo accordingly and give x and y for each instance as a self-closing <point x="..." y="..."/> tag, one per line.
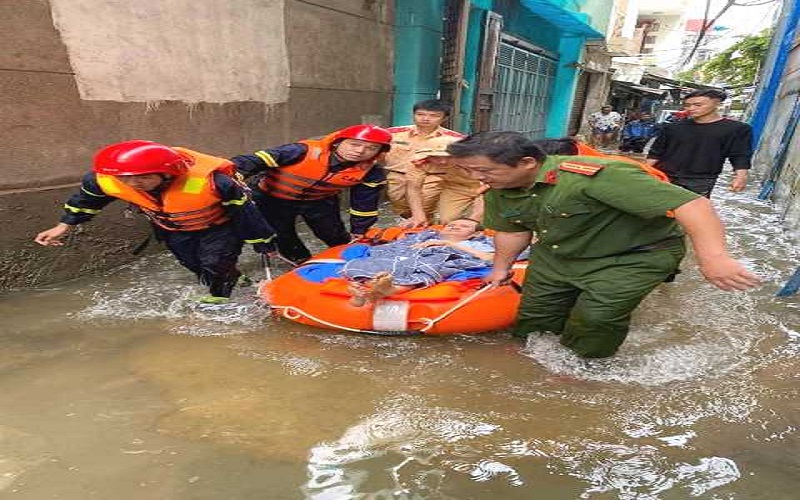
<point x="755" y="3"/>
<point x="706" y="25"/>
<point x="757" y="27"/>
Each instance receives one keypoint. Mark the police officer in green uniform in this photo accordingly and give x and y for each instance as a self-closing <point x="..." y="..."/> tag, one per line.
<point x="607" y="234"/>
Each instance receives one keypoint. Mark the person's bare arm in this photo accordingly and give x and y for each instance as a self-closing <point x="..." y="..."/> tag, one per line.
<point x="475" y="253"/>
<point x="507" y="247"/>
<point x="707" y="235"/>
<point x="457" y="245"/>
<point x="739" y="181"/>
<point x="53" y="236"/>
<point x="415" y="178"/>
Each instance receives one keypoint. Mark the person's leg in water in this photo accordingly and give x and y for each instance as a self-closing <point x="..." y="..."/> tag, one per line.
<point x="374" y="289"/>
<point x="282" y="216"/>
<point x="325" y="221"/>
<point x="218" y="253"/>
<point x="211" y="254"/>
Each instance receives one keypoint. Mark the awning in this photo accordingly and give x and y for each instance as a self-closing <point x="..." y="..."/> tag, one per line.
<point x="676" y="83"/>
<point x="639" y="89"/>
<point x="569" y="22"/>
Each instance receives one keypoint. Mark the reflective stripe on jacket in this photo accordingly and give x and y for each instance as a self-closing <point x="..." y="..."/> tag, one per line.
<point x="311" y="178"/>
<point x="190" y="201"/>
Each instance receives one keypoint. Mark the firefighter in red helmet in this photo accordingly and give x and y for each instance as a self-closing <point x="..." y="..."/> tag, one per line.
<point x="304" y="179"/>
<point x="194" y="201"/>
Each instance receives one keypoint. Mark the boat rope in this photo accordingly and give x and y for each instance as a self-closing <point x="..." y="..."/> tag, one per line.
<point x="430" y="322"/>
<point x="294" y="313"/>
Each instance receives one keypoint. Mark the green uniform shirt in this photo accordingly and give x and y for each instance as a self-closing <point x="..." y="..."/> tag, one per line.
<point x="617" y="209"/>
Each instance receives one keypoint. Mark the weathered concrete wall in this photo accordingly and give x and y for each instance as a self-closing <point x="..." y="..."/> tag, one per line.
<point x="597" y="61"/>
<point x="220" y="77"/>
<point x="781" y="134"/>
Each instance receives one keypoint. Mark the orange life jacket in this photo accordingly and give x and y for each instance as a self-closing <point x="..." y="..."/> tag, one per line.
<point x="188" y="203"/>
<point x="586" y="150"/>
<point x="311" y="178"/>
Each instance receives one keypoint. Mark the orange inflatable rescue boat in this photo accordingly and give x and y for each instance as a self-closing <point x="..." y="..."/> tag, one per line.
<point x="315" y="294"/>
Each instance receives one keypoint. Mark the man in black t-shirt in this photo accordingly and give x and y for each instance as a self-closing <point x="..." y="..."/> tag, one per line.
<point x="692" y="152"/>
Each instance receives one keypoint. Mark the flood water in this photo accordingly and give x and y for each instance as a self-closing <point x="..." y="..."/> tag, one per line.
<point x="119" y="387"/>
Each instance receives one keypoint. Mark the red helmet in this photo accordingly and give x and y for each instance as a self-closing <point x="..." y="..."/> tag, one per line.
<point x="370" y="133"/>
<point x="138" y="158"/>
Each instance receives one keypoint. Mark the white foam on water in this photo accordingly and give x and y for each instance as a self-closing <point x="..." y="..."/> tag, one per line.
<point x="624" y="471"/>
<point x="680" y="340"/>
<point x="416" y="444"/>
<point x="132" y="294"/>
<point x="651" y="367"/>
<point x="408" y="434"/>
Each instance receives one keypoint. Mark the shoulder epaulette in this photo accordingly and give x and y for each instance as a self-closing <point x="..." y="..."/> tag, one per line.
<point x="452" y="133"/>
<point x="393" y="130"/>
<point x="580" y="167"/>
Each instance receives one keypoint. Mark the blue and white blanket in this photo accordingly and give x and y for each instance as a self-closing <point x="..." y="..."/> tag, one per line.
<point x="420" y="266"/>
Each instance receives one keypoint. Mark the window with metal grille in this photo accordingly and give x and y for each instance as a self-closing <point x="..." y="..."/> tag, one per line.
<point x="522" y="91"/>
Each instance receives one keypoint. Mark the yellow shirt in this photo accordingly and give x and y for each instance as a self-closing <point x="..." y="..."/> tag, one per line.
<point x="407" y="140"/>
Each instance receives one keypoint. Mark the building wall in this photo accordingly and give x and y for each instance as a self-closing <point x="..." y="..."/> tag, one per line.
<point x="622" y="36"/>
<point x="597" y="62"/>
<point x="538" y="30"/>
<point x="781" y="135"/>
<point x="220" y="77"/>
<point x="665" y="49"/>
<point x="418" y="30"/>
<point x="523" y="23"/>
<point x="418" y="26"/>
<point x="600" y="12"/>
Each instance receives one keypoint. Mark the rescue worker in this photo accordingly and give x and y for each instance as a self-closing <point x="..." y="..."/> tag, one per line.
<point x="459" y="195"/>
<point x="426" y="133"/>
<point x="195" y="204"/>
<point x="608" y="233"/>
<point x="305" y="178"/>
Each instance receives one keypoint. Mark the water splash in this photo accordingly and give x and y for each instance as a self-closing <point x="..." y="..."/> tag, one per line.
<point x="131" y="294"/>
<point x="690" y="329"/>
<point x="404" y="432"/>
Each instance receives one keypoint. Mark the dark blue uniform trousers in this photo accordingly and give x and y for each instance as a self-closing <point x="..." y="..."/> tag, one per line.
<point x="321" y="216"/>
<point x="211" y="254"/>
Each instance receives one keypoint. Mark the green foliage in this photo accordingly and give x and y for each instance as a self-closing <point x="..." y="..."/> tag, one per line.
<point x="738" y="65"/>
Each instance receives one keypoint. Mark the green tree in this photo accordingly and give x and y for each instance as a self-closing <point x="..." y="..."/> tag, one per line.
<point x="735" y="66"/>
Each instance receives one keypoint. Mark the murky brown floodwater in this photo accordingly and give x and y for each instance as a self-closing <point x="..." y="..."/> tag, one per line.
<point x="120" y="388"/>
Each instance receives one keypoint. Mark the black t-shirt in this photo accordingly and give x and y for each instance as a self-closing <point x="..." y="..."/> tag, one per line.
<point x="697" y="150"/>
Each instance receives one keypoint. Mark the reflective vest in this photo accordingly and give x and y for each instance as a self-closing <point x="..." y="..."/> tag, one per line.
<point x="188" y="203"/>
<point x="311" y="178"/>
<point x="586" y="150"/>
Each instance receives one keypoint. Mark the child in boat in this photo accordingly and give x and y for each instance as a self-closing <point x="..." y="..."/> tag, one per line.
<point x="418" y="260"/>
